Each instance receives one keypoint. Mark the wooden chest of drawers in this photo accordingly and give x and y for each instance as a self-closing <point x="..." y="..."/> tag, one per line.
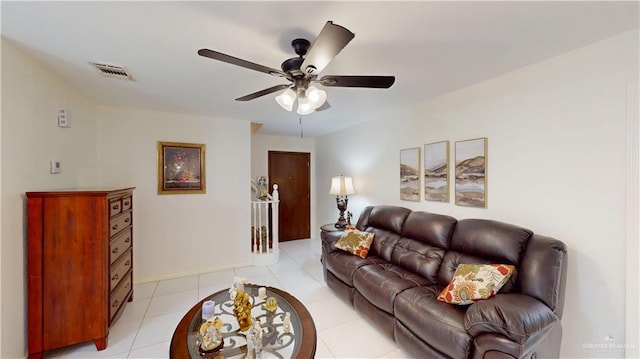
<point x="79" y="265"/>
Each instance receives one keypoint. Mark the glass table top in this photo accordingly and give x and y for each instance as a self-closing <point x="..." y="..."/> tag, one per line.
<point x="279" y="338"/>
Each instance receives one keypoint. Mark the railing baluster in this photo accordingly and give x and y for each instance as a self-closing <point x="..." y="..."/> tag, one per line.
<point x="274" y="217"/>
<point x="264" y="240"/>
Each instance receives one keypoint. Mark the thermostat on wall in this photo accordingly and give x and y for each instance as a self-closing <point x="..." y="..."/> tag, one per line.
<point x="55" y="167"/>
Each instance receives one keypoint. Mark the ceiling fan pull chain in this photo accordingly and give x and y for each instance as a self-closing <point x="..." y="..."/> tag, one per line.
<point x="300" y="121"/>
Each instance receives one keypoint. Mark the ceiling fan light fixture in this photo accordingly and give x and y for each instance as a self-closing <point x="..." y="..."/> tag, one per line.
<point x="316" y="97"/>
<point x="304" y="106"/>
<point x="286" y="99"/>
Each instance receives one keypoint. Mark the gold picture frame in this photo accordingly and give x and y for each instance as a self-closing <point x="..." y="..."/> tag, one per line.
<point x="436" y="171"/>
<point x="471" y="172"/>
<point x="181" y="168"/>
<point x="410" y="174"/>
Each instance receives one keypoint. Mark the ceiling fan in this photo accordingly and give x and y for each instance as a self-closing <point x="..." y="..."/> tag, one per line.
<point x="302" y="71"/>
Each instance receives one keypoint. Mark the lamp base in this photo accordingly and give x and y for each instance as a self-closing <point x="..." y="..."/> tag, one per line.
<point x="342" y="223"/>
<point x="342" y="206"/>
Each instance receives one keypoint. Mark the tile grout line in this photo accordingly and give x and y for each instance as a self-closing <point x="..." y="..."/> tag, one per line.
<point x="144" y="316"/>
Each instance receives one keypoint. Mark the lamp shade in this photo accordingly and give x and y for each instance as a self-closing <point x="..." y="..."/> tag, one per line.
<point x="316" y="97"/>
<point x="286" y="99"/>
<point x="342" y="186"/>
<point x="304" y="106"/>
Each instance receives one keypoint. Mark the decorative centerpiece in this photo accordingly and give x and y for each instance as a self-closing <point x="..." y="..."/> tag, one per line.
<point x="241" y="303"/>
<point x="263" y="326"/>
<point x="209" y="333"/>
<point x="242" y="310"/>
<point x="210" y="339"/>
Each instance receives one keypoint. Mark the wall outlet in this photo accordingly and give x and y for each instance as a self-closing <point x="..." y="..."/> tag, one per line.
<point x="63" y="118"/>
<point x="55" y="167"/>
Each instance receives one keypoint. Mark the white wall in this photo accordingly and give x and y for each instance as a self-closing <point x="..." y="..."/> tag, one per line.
<point x="556" y="164"/>
<point x="260" y="147"/>
<point x="113" y="147"/>
<point x="633" y="220"/>
<point x="177" y="235"/>
<point x="31" y="97"/>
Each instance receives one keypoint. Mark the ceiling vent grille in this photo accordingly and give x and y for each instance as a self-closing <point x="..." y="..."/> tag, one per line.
<point x="118" y="72"/>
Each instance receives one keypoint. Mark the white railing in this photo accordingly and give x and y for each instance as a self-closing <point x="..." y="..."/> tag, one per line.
<point x="264" y="229"/>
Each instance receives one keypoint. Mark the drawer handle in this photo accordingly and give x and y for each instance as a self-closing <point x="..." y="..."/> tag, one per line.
<point x="114" y="207"/>
<point x="126" y="286"/>
<point x="115" y="277"/>
<point x="115" y="250"/>
<point x="126" y="220"/>
<point x="128" y="240"/>
<point x="126" y="203"/>
<point x="114" y="227"/>
<point x="115" y="304"/>
<point x="127" y="263"/>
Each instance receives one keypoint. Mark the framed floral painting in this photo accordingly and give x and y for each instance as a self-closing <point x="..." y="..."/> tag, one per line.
<point x="181" y="168"/>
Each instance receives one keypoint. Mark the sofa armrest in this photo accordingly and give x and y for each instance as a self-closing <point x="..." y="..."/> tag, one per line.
<point x="329" y="240"/>
<point x="516" y="316"/>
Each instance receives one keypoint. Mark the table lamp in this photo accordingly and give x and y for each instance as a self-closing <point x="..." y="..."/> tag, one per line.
<point x="342" y="186"/>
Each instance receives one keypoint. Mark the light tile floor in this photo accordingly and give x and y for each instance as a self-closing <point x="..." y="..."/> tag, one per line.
<point x="145" y="328"/>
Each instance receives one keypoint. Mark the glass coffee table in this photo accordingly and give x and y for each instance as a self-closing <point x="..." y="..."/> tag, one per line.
<point x="279" y="339"/>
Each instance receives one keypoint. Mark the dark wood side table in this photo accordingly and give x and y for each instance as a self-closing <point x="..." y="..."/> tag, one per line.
<point x="330" y="227"/>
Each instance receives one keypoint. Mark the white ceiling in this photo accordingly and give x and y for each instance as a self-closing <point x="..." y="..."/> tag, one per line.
<point x="431" y="48"/>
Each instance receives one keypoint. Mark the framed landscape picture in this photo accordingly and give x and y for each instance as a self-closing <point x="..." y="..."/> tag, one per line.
<point x="436" y="171"/>
<point x="410" y="174"/>
<point x="471" y="172"/>
<point x="181" y="168"/>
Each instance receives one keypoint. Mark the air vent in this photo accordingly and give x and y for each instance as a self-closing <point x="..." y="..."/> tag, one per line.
<point x="118" y="72"/>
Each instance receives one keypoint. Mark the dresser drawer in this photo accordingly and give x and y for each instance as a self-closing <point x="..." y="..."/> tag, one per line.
<point x="126" y="203"/>
<point x="119" y="296"/>
<point x="119" y="245"/>
<point x="119" y="223"/>
<point x="119" y="269"/>
<point x="115" y="207"/>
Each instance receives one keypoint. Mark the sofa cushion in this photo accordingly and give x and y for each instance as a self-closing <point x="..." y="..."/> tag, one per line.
<point x="418" y="257"/>
<point x="380" y="283"/>
<point x="363" y="219"/>
<point x="355" y="242"/>
<point x="429" y="228"/>
<point x="383" y="244"/>
<point x="390" y="218"/>
<point x="481" y="241"/>
<point x="496" y="241"/>
<point x="343" y="265"/>
<point x="473" y="282"/>
<point x="437" y="323"/>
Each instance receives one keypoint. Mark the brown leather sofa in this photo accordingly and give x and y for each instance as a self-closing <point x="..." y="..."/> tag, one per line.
<point x="413" y="257"/>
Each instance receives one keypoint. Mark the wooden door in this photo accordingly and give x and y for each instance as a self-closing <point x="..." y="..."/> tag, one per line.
<point x="291" y="171"/>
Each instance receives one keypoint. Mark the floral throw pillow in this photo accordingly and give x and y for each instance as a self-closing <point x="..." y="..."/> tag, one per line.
<point x="355" y="242"/>
<point x="473" y="282"/>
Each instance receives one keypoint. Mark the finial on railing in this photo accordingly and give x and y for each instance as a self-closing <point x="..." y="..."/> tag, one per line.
<point x="275" y="194"/>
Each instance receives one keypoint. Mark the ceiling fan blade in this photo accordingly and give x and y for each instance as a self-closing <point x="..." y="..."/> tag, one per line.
<point x="240" y="62"/>
<point x="325" y="106"/>
<point x="263" y="92"/>
<point x="331" y="40"/>
<point x="358" y="81"/>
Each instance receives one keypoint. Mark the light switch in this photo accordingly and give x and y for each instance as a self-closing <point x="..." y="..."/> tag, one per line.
<point x="63" y="118"/>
